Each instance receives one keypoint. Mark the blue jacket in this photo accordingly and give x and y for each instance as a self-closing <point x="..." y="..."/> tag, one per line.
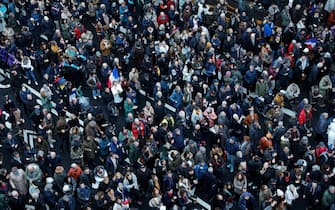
<point x="210" y="69"/>
<point x="268" y="29"/>
<point x="232" y="148"/>
<point x="115" y="149"/>
<point x="84" y="193"/>
<point x="200" y="170"/>
<point x="322" y="125"/>
<point x="251" y="77"/>
<point x="177" y="99"/>
<point x="104" y="146"/>
<point x="242" y="202"/>
<point x="178" y="141"/>
<point x="70" y="204"/>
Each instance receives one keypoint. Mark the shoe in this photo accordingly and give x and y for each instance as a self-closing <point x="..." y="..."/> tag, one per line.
<point x="99" y="96"/>
<point x="36" y="83"/>
<point x="94" y="97"/>
<point x="51" y="146"/>
<point x="29" y="82"/>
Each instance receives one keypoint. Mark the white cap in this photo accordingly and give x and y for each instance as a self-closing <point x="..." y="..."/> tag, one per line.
<point x="66" y="188"/>
<point x="306" y="50"/>
<point x="280" y="193"/>
<point x="49" y="180"/>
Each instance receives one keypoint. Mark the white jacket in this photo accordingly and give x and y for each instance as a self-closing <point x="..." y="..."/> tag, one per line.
<point x="290" y="196"/>
<point x="331" y="133"/>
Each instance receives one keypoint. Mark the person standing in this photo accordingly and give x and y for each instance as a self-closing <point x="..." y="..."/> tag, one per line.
<point x="95" y="85"/>
<point x="29" y="70"/>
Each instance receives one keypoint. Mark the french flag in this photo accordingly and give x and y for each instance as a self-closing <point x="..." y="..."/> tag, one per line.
<point x="311" y="43"/>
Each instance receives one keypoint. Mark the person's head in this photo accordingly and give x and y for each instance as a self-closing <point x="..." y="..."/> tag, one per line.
<point x="73" y="165"/>
<point x="331" y="189"/>
<point x="264" y="188"/>
<point x="286" y="149"/>
<point x="308" y="108"/>
<point x="325" y="115"/>
<point x="14" y="169"/>
<point x="239" y="176"/>
<point x="305" y="100"/>
<point x="15" y="194"/>
<point x="292" y="187"/>
<point x="30" y="168"/>
<point x="52" y="155"/>
<point x="314" y="183"/>
<point x="128" y="100"/>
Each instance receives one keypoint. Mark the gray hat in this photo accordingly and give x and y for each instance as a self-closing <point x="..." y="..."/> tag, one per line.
<point x="92" y="123"/>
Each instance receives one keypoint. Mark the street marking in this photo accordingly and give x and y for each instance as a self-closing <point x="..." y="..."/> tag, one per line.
<point x="53" y="111"/>
<point x="166" y="105"/>
<point x="203" y="203"/>
<point x="29" y="136"/>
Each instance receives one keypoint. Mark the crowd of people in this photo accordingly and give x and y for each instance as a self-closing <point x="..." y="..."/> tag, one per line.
<point x="251" y="86"/>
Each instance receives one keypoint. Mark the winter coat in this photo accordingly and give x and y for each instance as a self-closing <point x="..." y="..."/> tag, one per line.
<point x="262" y="88"/>
<point x="35" y="175"/>
<point x="292" y="91"/>
<point x="304" y="117"/>
<point x="67" y="202"/>
<point x="84" y="193"/>
<point x="242" y="202"/>
<point x="75" y="172"/>
<point x="266" y="54"/>
<point x="325" y="85"/>
<point x="43" y="145"/>
<point x="251" y="77"/>
<point x="285" y="17"/>
<point x="131" y="184"/>
<point x="89" y="147"/>
<point x="322" y="125"/>
<point x="328" y="198"/>
<point x="239" y="185"/>
<point x="268" y="27"/>
<point x="93" y="82"/>
<point x="311" y="195"/>
<point x="210" y="69"/>
<point x="19" y="181"/>
<point x="76" y="153"/>
<point x="290" y="196"/>
<point x="134" y="152"/>
<point x="231" y="148"/>
<point x="177" y="99"/>
<point x="138" y="130"/>
<point x="331" y="133"/>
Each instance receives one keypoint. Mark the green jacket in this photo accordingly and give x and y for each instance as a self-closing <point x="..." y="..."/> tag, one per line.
<point x="262" y="88"/>
<point x="328" y="198"/>
<point x="128" y="108"/>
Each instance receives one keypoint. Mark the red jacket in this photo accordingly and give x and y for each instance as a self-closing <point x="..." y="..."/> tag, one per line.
<point x="75" y="172"/>
<point x="265" y="143"/>
<point x="162" y="19"/>
<point x="303" y="117"/>
<point x="137" y="130"/>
